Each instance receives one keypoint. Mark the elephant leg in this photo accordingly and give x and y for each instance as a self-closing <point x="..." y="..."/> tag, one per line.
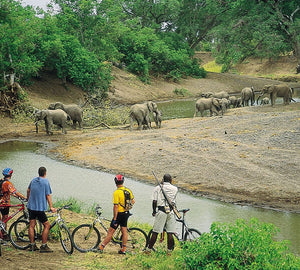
<point x="49" y="127"/>
<point x="140" y="125"/>
<point x="63" y="128"/>
<point x="74" y="124"/>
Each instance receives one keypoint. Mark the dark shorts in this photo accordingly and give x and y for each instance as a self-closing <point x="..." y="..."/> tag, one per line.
<point x="4" y="211"/>
<point x="122" y="219"/>
<point x="39" y="215"/>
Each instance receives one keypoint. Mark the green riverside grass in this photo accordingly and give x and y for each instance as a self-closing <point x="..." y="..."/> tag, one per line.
<point x="238" y="245"/>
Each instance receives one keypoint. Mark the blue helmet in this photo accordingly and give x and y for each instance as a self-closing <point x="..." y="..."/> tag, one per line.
<point x="7" y="172"/>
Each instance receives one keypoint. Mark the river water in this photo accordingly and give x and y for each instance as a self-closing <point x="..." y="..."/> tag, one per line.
<point x="91" y="186"/>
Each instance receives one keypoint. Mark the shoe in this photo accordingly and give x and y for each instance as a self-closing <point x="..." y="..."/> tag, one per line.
<point x="32" y="247"/>
<point x="45" y="249"/>
<point x="122" y="252"/>
<point x="97" y="250"/>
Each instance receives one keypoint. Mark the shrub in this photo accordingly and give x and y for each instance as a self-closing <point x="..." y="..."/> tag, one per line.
<point x="238" y="246"/>
<point x="181" y="92"/>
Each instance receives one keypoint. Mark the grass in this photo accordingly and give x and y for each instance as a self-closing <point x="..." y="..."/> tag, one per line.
<point x="213" y="67"/>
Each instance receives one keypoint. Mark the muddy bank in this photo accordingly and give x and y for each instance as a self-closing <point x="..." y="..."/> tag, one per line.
<point x="249" y="156"/>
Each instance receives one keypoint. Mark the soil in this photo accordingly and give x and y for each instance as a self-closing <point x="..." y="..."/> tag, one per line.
<point x="251" y="155"/>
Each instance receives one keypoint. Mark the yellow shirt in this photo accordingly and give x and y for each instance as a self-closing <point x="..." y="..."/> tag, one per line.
<point x="119" y="198"/>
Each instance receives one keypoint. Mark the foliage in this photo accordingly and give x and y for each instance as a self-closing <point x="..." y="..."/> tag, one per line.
<point x="105" y="113"/>
<point x="75" y="207"/>
<point x="238" y="246"/>
<point x="181" y="92"/>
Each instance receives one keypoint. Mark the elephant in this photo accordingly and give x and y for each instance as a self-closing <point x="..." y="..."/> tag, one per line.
<point x="265" y="101"/>
<point x="222" y="94"/>
<point x="73" y="110"/>
<point x="234" y="101"/>
<point x="141" y="114"/>
<point x="247" y="94"/>
<point x="57" y="117"/>
<point x="279" y="90"/>
<point x="223" y="104"/>
<point x="211" y="104"/>
<point x="207" y="95"/>
<point x="157" y="118"/>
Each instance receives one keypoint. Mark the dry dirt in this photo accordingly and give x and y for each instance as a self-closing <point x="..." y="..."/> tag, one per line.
<point x="250" y="155"/>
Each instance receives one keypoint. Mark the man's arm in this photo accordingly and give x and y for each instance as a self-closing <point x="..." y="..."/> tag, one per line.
<point x="49" y="200"/>
<point x="18" y="194"/>
<point x="154" y="205"/>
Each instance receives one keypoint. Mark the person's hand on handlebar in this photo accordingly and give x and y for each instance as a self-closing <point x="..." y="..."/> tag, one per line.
<point x="53" y="210"/>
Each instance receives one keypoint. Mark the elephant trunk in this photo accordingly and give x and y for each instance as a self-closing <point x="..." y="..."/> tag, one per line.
<point x="259" y="97"/>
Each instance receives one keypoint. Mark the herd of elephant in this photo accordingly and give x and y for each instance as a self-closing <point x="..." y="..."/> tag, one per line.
<point x="59" y="113"/>
<point x="219" y="102"/>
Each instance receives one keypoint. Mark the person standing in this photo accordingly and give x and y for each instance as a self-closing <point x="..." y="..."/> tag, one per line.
<point x="120" y="215"/>
<point x="39" y="194"/>
<point x="7" y="190"/>
<point x="164" y="218"/>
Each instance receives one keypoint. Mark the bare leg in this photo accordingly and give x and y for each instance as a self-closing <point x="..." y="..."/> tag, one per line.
<point x="45" y="232"/>
<point x="170" y="241"/>
<point x="152" y="240"/>
<point x="32" y="223"/>
<point x="108" y="236"/>
<point x="124" y="238"/>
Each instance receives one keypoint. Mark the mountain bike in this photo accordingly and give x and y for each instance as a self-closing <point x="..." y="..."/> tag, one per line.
<point x="25" y="216"/>
<point x="186" y="234"/>
<point x="18" y="232"/>
<point x="86" y="237"/>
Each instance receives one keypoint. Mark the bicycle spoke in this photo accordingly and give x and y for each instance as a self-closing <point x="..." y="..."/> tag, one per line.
<point x="18" y="234"/>
<point x="65" y="239"/>
<point x="191" y="235"/>
<point x="86" y="237"/>
<point x="137" y="240"/>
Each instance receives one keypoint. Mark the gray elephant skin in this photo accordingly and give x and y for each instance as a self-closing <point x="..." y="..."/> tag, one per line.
<point x="234" y="101"/>
<point x="73" y="110"/>
<point x="247" y="94"/>
<point x="141" y="114"/>
<point x="222" y="94"/>
<point x="265" y="101"/>
<point x="280" y="90"/>
<point x="223" y="104"/>
<point x="157" y="118"/>
<point x="211" y="104"/>
<point x="57" y="117"/>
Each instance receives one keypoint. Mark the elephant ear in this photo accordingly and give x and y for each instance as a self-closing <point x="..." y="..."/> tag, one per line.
<point x="58" y="105"/>
<point x="150" y="106"/>
<point x="44" y="114"/>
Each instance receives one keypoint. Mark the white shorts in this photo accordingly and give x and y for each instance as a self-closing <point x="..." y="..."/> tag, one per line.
<point x="163" y="220"/>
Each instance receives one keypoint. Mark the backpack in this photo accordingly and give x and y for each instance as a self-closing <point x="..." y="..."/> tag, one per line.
<point x="128" y="203"/>
<point x="1" y="183"/>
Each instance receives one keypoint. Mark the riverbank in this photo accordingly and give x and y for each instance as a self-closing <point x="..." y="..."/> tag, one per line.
<point x="250" y="156"/>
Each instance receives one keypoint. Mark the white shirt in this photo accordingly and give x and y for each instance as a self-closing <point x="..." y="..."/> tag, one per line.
<point x="170" y="191"/>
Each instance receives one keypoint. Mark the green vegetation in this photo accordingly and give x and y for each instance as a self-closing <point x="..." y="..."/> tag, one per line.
<point x="181" y="92"/>
<point x="80" y="40"/>
<point x="238" y="245"/>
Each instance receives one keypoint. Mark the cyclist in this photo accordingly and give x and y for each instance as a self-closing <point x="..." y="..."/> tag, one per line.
<point x="7" y="190"/>
<point x="164" y="218"/>
<point x="39" y="194"/>
<point x="120" y="215"/>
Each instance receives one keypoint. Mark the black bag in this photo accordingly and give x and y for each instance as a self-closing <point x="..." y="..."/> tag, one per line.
<point x="128" y="202"/>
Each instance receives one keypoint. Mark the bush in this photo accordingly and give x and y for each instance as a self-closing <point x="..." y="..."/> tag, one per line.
<point x="238" y="246"/>
<point x="181" y="92"/>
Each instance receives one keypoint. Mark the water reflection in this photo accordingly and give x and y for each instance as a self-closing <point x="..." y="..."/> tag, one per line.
<point x="90" y="186"/>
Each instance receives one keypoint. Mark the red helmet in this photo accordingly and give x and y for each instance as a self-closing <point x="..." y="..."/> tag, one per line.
<point x="119" y="178"/>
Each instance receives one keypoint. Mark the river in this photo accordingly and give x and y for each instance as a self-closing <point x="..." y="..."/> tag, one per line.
<point x="91" y="186"/>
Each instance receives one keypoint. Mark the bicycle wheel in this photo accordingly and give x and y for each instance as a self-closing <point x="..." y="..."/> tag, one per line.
<point x="137" y="240"/>
<point x="18" y="234"/>
<point x="38" y="226"/>
<point x="65" y="238"/>
<point x="86" y="237"/>
<point x="191" y="235"/>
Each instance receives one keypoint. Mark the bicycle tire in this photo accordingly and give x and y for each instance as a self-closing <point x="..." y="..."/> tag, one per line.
<point x="38" y="225"/>
<point x="86" y="237"/>
<point x="191" y="235"/>
<point x="137" y="240"/>
<point x="65" y="238"/>
<point x="18" y="234"/>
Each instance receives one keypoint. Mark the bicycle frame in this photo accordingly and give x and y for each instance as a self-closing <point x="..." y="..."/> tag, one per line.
<point x="184" y="227"/>
<point x="2" y="223"/>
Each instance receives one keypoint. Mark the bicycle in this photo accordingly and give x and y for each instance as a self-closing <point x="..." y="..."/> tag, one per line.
<point x="86" y="237"/>
<point x="24" y="216"/>
<point x="187" y="234"/>
<point x="18" y="232"/>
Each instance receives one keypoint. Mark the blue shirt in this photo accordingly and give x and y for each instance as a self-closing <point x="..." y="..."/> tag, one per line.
<point x="39" y="189"/>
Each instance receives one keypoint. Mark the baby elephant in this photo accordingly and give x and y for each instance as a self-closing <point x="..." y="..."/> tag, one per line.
<point x="265" y="101"/>
<point x="57" y="117"/>
<point x="157" y="118"/>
